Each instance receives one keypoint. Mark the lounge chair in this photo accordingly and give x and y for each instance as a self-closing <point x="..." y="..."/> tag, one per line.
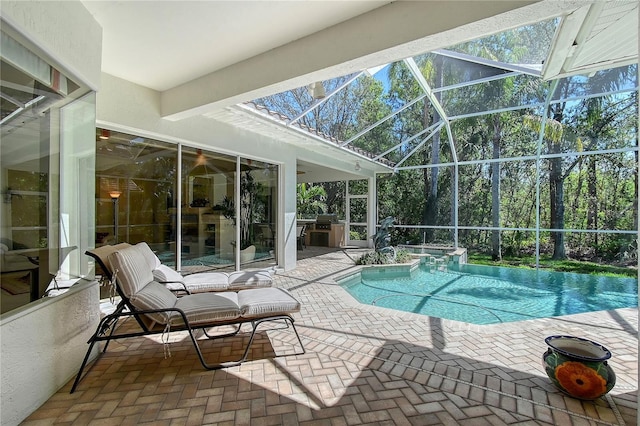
<point x="158" y="310"/>
<point x="200" y="282"/>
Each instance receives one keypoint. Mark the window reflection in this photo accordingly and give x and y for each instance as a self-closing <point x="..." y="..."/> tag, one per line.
<point x="142" y="173"/>
<point x="194" y="214"/>
<point x="43" y="141"/>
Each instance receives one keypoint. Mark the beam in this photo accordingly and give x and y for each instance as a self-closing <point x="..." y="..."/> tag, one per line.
<point x="393" y="32"/>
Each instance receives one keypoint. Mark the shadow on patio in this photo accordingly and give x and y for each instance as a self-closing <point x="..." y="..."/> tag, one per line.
<point x="342" y="378"/>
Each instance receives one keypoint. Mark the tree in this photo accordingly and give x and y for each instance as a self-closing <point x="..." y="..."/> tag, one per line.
<point x="310" y="200"/>
<point x="429" y="216"/>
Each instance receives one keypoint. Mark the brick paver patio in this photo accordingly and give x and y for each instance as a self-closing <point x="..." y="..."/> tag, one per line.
<point x="363" y="365"/>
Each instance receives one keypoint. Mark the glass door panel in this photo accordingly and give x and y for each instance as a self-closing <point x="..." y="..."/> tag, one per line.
<point x="135" y="192"/>
<point x="258" y="213"/>
<point x="207" y="209"/>
<point x="357" y="222"/>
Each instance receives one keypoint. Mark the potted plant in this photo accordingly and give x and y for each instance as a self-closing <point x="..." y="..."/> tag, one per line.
<point x="248" y="192"/>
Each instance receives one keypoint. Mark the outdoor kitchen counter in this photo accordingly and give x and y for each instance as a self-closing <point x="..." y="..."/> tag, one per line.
<point x="332" y="237"/>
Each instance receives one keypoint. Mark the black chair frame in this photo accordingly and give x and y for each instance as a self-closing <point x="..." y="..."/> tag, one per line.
<point x="106" y="329"/>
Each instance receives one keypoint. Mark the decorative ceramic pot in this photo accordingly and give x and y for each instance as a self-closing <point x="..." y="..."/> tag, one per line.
<point x="578" y="367"/>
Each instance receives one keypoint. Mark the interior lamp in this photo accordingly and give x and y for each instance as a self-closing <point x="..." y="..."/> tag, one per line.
<point x="114" y="197"/>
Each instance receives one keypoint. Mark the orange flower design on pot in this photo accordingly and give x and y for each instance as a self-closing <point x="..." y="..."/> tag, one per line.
<point x="578" y="367"/>
<point x="580" y="380"/>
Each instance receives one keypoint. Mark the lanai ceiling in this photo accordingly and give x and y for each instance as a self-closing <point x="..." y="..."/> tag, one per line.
<point x="205" y="57"/>
<point x="257" y="48"/>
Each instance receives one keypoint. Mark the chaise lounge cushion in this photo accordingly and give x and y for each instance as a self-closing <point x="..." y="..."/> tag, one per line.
<point x="165" y="274"/>
<point x="207" y="281"/>
<point x="133" y="274"/>
<point x="154" y="296"/>
<point x="240" y="280"/>
<point x="207" y="308"/>
<point x="203" y="282"/>
<point x="262" y="302"/>
<point x="131" y="269"/>
<point x="101" y="255"/>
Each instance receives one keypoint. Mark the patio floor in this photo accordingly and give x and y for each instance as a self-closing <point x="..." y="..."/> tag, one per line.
<point x="363" y="365"/>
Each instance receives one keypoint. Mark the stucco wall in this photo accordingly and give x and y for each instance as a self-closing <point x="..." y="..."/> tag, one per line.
<point x="42" y="348"/>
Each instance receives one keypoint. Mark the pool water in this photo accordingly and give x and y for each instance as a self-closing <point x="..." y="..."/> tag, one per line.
<point x="481" y="294"/>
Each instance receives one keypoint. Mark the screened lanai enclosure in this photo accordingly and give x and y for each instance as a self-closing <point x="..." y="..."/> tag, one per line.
<point x="487" y="148"/>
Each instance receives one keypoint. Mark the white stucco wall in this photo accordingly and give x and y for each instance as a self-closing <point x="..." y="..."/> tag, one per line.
<point x="43" y="343"/>
<point x="42" y="347"/>
<point x="125" y="106"/>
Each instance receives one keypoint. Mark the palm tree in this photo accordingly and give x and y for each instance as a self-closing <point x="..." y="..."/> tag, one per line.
<point x="310" y="200"/>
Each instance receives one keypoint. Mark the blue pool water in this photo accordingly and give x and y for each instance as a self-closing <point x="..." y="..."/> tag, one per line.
<point x="480" y="294"/>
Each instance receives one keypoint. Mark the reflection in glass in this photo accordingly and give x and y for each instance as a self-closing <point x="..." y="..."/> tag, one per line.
<point x="41" y="220"/>
<point x="208" y="208"/>
<point x="143" y="172"/>
<point x="201" y="224"/>
<point x="258" y="212"/>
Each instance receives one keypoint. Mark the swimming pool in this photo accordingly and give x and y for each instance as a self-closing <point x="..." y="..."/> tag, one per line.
<point x="481" y="294"/>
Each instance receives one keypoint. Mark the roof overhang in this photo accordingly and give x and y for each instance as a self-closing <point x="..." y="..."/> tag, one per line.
<point x="597" y="36"/>
<point x="319" y="159"/>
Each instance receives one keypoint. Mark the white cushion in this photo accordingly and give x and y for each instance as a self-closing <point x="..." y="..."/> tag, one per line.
<point x="149" y="255"/>
<point x="241" y="280"/>
<point x="154" y="296"/>
<point x="260" y="302"/>
<point x="165" y="274"/>
<point x="131" y="270"/>
<point x="207" y="308"/>
<point x="207" y="281"/>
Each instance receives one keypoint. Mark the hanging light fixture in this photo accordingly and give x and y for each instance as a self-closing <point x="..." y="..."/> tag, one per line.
<point x="105" y="134"/>
<point x="316" y="90"/>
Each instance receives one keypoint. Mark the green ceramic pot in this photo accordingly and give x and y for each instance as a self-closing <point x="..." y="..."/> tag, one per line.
<point x="578" y="367"/>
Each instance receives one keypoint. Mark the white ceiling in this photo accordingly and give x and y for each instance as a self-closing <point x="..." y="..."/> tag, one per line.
<point x="161" y="45"/>
<point x="206" y="55"/>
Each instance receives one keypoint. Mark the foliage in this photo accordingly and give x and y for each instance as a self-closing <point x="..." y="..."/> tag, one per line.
<point x="579" y="267"/>
<point x="228" y="208"/>
<point x="576" y="191"/>
<point x="249" y="190"/>
<point x="375" y="258"/>
<point x="403" y="256"/>
<point x="386" y="258"/>
<point x="502" y="160"/>
<point x="310" y="200"/>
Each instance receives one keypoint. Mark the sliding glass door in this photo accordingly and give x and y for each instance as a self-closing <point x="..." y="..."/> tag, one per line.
<point x="214" y="212"/>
